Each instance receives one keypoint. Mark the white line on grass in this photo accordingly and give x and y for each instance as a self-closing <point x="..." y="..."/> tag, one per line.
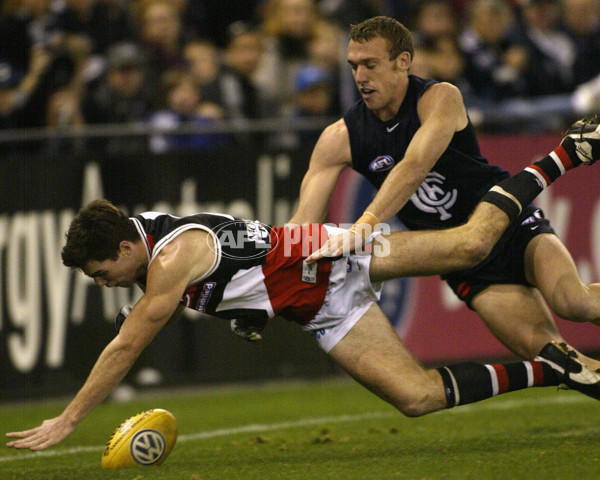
<point x="306" y="422"/>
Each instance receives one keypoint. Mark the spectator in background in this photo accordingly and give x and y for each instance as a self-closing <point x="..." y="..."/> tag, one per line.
<point x="226" y="78"/>
<point x="314" y="97"/>
<point x="27" y="27"/>
<point x="122" y="95"/>
<point x="104" y="22"/>
<point x="520" y="76"/>
<point x="162" y="34"/>
<point x="9" y="101"/>
<point x="63" y="110"/>
<point x="314" y="92"/>
<point x="581" y="22"/>
<point x="436" y="40"/>
<point x="211" y="19"/>
<point x="16" y="42"/>
<point x="183" y="106"/>
<point x="551" y="53"/>
<point x="25" y="23"/>
<point x="493" y="66"/>
<point x="235" y="88"/>
<point x="288" y="26"/>
<point x="348" y="12"/>
<point x="242" y="56"/>
<point x="17" y="87"/>
<point x="202" y="59"/>
<point x="327" y="49"/>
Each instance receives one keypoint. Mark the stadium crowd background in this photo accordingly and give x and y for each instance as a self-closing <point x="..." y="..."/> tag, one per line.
<point x="163" y="63"/>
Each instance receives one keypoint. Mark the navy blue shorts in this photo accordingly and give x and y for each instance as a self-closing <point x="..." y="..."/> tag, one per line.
<point x="506" y="262"/>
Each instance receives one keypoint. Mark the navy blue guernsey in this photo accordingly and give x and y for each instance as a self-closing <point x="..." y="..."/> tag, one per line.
<point x="455" y="184"/>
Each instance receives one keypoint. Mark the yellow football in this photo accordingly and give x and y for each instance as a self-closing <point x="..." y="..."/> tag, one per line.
<point x="144" y="439"/>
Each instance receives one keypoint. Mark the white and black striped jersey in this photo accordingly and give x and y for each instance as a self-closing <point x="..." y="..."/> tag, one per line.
<point x="257" y="269"/>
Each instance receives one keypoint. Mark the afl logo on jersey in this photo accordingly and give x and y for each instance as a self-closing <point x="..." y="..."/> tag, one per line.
<point x="381" y="163"/>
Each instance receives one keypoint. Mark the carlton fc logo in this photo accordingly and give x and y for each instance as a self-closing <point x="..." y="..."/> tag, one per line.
<point x="432" y="198"/>
<point x="381" y="164"/>
<point x="147" y="446"/>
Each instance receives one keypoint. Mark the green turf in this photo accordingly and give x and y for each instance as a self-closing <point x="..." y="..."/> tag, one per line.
<point x="329" y="430"/>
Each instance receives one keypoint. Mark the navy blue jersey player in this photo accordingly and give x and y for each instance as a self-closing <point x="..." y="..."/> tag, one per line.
<point x="412" y="138"/>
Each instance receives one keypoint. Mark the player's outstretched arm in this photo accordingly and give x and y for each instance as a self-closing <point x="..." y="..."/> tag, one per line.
<point x="180" y="262"/>
<point x="143" y="323"/>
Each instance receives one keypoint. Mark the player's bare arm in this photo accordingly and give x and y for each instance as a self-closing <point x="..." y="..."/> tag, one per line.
<point x="185" y="259"/>
<point x="442" y="114"/>
<point x="330" y="157"/>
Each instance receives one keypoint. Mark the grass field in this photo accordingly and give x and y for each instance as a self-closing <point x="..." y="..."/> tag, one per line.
<point x="328" y="430"/>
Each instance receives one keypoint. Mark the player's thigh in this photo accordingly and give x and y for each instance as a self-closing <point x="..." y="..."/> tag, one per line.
<point x="517" y="316"/>
<point x="373" y="354"/>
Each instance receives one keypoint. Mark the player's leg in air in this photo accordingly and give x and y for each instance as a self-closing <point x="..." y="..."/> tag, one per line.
<point x="516" y="313"/>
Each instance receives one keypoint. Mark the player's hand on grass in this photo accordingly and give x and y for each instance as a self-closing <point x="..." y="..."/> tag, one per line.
<point x="49" y="433"/>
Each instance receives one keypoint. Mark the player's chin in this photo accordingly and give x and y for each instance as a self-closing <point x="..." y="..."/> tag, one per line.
<point x="367" y="98"/>
<point x="373" y="104"/>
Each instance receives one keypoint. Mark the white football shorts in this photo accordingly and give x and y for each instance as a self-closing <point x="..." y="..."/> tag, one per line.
<point x="349" y="295"/>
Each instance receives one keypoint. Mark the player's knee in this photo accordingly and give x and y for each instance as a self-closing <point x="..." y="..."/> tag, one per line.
<point x="576" y="308"/>
<point x="417" y="405"/>
<point x="412" y="411"/>
<point x="578" y="303"/>
<point x="473" y="250"/>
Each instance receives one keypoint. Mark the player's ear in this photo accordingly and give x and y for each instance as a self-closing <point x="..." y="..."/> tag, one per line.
<point x="403" y="61"/>
<point x="125" y="248"/>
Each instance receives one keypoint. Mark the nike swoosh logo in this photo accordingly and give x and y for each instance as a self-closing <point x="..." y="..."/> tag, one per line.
<point x="391" y="129"/>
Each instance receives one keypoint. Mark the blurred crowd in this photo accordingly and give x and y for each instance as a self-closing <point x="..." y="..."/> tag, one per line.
<point x="165" y="63"/>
